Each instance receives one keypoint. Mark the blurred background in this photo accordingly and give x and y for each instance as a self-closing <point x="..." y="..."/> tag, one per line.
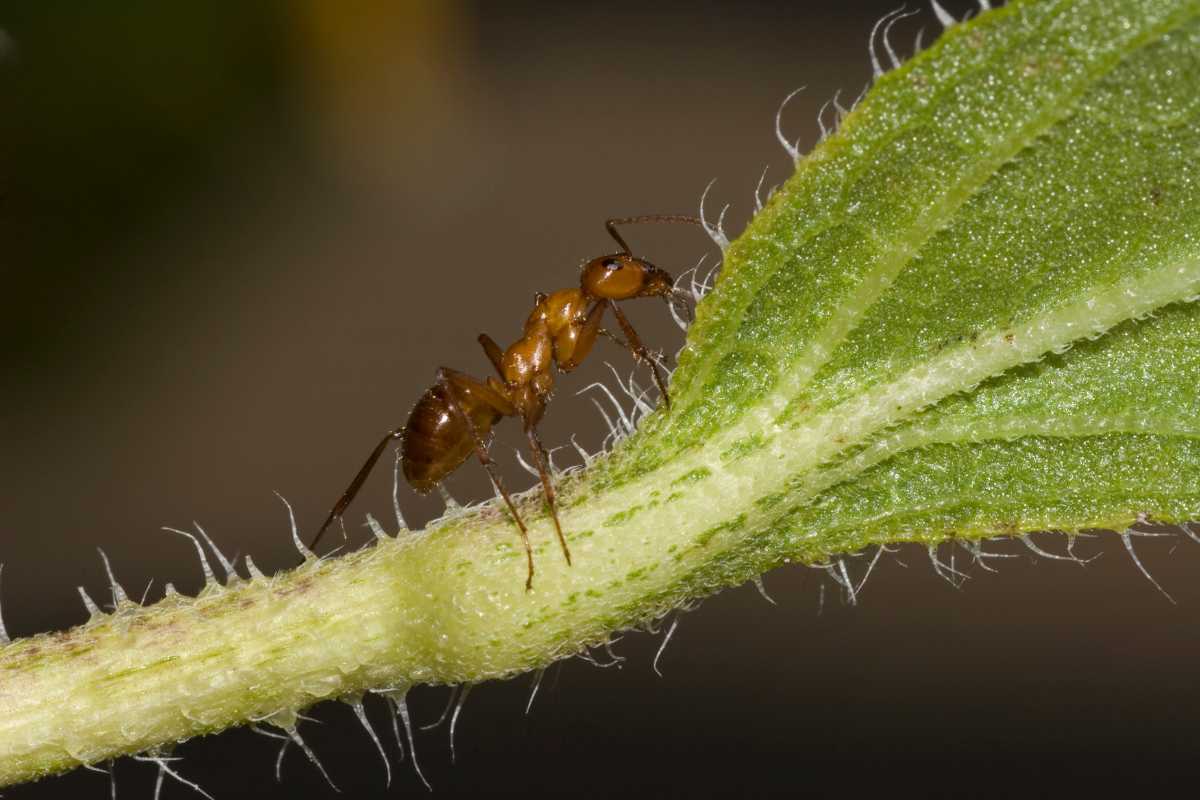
<point x="236" y="241"/>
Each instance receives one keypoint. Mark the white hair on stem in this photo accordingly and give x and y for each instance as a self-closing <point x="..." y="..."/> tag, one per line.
<point x="586" y="655"/>
<point x="762" y="589"/>
<point x="537" y="683"/>
<point x="944" y="571"/>
<point x="1127" y="539"/>
<point x="403" y="526"/>
<point x="205" y="567"/>
<point x="304" y="552"/>
<point x="163" y="769"/>
<point x="252" y="569"/>
<point x="118" y="593"/>
<point x="877" y="68"/>
<point x="462" y="698"/>
<point x="583" y="454"/>
<point x="376" y="529"/>
<point x="825" y="130"/>
<point x="294" y="735"/>
<point x="707" y="285"/>
<point x="943" y="16"/>
<point x="679" y="321"/>
<point x="837" y="570"/>
<point x="1028" y="542"/>
<point x="360" y="711"/>
<point x="525" y="464"/>
<point x="636" y="393"/>
<point x="89" y="604"/>
<point x="112" y="780"/>
<point x="841" y="110"/>
<point x="758" y="201"/>
<point x="792" y="149"/>
<point x="614" y="434"/>
<point x="976" y="551"/>
<point x="697" y="289"/>
<point x="616" y="659"/>
<point x="663" y="645"/>
<point x="398" y="699"/>
<point x="626" y="426"/>
<point x="230" y="570"/>
<point x="887" y="32"/>
<point x="870" y="566"/>
<point x="452" y="505"/>
<point x="282" y="749"/>
<point x="852" y="594"/>
<point x="445" y="711"/>
<point x="715" y="232"/>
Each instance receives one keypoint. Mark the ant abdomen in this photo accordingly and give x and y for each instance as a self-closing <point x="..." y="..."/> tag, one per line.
<point x="437" y="439"/>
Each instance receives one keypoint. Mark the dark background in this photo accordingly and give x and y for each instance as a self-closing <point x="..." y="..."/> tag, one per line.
<point x="237" y="240"/>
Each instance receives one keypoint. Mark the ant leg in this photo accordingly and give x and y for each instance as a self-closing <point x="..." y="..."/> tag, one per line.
<point x="494" y="353"/>
<point x="356" y="484"/>
<point x="448" y="378"/>
<point x="640" y="354"/>
<point x="539" y="455"/>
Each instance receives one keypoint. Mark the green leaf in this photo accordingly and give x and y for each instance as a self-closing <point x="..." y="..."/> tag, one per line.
<point x="1028" y="182"/>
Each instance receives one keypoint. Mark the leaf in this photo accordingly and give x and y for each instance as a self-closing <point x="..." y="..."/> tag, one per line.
<point x="1028" y="182"/>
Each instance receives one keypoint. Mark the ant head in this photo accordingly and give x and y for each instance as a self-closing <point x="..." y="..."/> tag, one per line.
<point x="622" y="277"/>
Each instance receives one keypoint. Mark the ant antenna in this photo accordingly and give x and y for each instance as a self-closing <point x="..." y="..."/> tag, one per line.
<point x="611" y="225"/>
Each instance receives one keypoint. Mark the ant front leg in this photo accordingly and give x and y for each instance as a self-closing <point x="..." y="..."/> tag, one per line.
<point x="348" y="496"/>
<point x="543" y="460"/>
<point x="640" y="354"/>
<point x="456" y="385"/>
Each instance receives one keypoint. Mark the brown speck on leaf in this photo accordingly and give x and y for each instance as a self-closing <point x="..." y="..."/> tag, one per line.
<point x="1009" y="338"/>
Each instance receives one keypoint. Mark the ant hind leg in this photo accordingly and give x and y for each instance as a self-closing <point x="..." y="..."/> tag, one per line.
<point x="539" y="455"/>
<point x="352" y="491"/>
<point x="447" y="379"/>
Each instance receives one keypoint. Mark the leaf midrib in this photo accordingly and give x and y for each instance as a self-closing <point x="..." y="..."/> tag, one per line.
<point x="876" y="283"/>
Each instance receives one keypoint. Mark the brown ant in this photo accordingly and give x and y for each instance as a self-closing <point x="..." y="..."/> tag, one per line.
<point x="455" y="416"/>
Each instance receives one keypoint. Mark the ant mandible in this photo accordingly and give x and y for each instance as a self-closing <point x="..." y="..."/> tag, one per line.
<point x="455" y="416"/>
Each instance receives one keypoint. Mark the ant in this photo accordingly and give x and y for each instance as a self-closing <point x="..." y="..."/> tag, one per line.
<point x="455" y="416"/>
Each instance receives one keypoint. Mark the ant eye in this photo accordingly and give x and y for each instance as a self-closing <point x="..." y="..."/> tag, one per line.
<point x="610" y="263"/>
